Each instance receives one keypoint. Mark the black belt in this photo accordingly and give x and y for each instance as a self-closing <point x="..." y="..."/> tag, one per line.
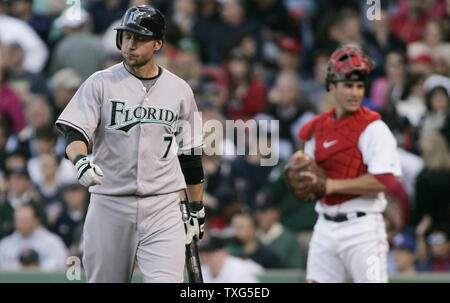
<point x="343" y="217"/>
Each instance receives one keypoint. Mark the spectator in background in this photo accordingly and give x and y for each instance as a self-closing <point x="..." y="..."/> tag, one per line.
<point x="412" y="102"/>
<point x="435" y="9"/>
<point x="213" y="95"/>
<point x="381" y="41"/>
<point x="433" y="246"/>
<point x="274" y="17"/>
<point x="433" y="182"/>
<point x="389" y="89"/>
<point x="446" y="18"/>
<point x="49" y="189"/>
<point x="184" y="15"/>
<point x="246" y="92"/>
<point x="64" y="85"/>
<point x="208" y="13"/>
<point x="440" y="250"/>
<point x="216" y="167"/>
<point x="218" y="266"/>
<point x="404" y="133"/>
<point x="286" y="104"/>
<point x="412" y="165"/>
<point x="29" y="233"/>
<point x="38" y="114"/>
<point x="45" y="143"/>
<point x="69" y="225"/>
<point x="437" y="116"/>
<point x="6" y="212"/>
<point x="247" y="244"/>
<point x="29" y="260"/>
<point x="106" y="12"/>
<point x="247" y="176"/>
<point x="11" y="109"/>
<point x="433" y="43"/>
<point x="20" y="188"/>
<point x="79" y="49"/>
<point x="274" y="235"/>
<point x="35" y="50"/>
<point x="23" y="9"/>
<point x="215" y="37"/>
<point x="4" y="135"/>
<point x="186" y="63"/>
<point x="247" y="43"/>
<point x="221" y="148"/>
<point x="437" y="80"/>
<point x="15" y="159"/>
<point x="403" y="250"/>
<point x="314" y="88"/>
<point x="289" y="56"/>
<point x="23" y="81"/>
<point x="345" y="28"/>
<point x="422" y="64"/>
<point x="409" y="24"/>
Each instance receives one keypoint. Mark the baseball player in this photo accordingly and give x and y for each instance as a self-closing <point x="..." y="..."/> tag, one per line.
<point x="358" y="151"/>
<point x="142" y="157"/>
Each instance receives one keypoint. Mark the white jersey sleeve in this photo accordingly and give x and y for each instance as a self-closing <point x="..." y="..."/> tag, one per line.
<point x="379" y="149"/>
<point x="83" y="112"/>
<point x="310" y="146"/>
<point x="189" y="133"/>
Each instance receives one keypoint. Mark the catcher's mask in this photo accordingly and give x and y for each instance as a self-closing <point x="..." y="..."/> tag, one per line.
<point x="348" y="63"/>
<point x="144" y="20"/>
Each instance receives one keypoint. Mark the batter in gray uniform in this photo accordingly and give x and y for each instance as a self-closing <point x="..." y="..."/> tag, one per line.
<point x="131" y="113"/>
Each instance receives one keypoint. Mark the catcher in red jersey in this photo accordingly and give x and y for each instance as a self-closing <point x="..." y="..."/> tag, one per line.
<point x="358" y="152"/>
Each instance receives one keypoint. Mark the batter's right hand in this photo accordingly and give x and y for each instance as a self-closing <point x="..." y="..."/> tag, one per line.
<point x="88" y="173"/>
<point x="196" y="224"/>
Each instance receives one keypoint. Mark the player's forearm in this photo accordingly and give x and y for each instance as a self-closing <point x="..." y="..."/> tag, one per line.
<point x="195" y="192"/>
<point x="76" y="148"/>
<point x="363" y="185"/>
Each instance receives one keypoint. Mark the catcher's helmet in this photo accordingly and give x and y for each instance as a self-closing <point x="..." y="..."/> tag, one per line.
<point x="348" y="63"/>
<point x="144" y="20"/>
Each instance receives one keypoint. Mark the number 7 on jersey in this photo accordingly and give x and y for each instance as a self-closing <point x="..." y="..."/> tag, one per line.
<point x="168" y="139"/>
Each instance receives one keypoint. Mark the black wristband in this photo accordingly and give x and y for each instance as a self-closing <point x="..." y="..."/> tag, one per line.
<point x="196" y="205"/>
<point x="77" y="158"/>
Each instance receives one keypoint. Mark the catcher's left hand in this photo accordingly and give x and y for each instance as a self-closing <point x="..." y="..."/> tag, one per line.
<point x="196" y="223"/>
<point x="305" y="178"/>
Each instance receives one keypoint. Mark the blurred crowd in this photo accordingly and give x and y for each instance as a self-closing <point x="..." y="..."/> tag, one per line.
<point x="244" y="59"/>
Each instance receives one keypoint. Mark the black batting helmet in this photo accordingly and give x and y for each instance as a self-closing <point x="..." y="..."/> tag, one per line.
<point x="144" y="20"/>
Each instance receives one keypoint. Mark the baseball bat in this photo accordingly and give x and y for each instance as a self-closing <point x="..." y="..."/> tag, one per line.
<point x="193" y="267"/>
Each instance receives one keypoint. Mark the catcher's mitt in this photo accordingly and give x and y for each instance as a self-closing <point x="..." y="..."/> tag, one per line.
<point x="305" y="178"/>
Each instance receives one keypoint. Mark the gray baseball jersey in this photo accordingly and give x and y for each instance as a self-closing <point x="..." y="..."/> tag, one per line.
<point x="136" y="134"/>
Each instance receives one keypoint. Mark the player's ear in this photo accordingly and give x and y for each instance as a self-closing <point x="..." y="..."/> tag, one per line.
<point x="158" y="44"/>
<point x="332" y="86"/>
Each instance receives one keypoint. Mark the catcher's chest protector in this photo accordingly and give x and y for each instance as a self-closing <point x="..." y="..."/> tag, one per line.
<point x="336" y="146"/>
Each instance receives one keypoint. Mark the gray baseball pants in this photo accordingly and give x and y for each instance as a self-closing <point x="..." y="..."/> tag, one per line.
<point x="121" y="230"/>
